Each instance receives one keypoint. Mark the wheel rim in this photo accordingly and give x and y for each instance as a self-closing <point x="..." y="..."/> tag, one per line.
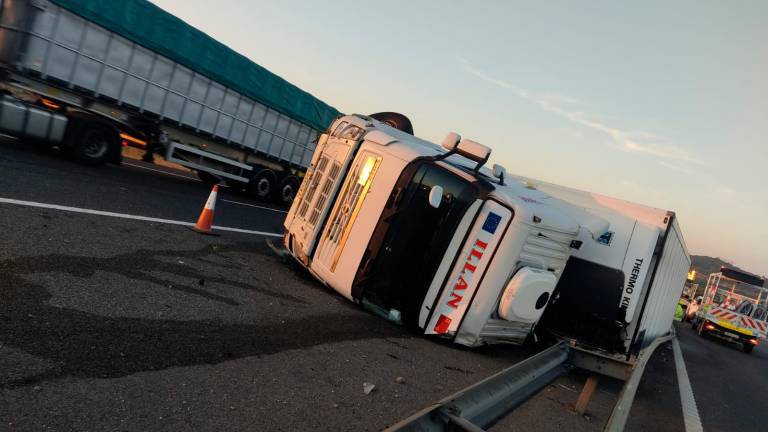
<point x="96" y="145"/>
<point x="263" y="187"/>
<point x="287" y="193"/>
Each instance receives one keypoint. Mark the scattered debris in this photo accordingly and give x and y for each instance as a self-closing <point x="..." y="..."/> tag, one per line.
<point x="458" y="369"/>
<point x="400" y="380"/>
<point x="368" y="387"/>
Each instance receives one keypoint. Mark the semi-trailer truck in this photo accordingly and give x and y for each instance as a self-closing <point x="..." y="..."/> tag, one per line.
<point x="89" y="76"/>
<point x="428" y="237"/>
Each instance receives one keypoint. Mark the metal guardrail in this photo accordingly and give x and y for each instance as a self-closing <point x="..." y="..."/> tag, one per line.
<point x="482" y="404"/>
<point x="618" y="419"/>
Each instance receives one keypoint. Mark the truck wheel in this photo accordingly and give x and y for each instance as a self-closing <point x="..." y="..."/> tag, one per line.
<point x="396" y="120"/>
<point x="262" y="183"/>
<point x="287" y="190"/>
<point x="95" y="144"/>
<point x="748" y="347"/>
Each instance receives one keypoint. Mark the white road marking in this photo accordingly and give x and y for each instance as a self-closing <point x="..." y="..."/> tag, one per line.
<point x="161" y="171"/>
<point x="256" y="206"/>
<point x="126" y="216"/>
<point x="690" y="411"/>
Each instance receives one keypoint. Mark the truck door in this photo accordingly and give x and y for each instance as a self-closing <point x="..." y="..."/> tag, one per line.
<point x="320" y="186"/>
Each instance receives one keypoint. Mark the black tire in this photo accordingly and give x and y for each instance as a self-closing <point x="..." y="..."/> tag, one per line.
<point x="396" y="120"/>
<point x="262" y="183"/>
<point x="286" y="192"/>
<point x="95" y="144"/>
<point x="747" y="348"/>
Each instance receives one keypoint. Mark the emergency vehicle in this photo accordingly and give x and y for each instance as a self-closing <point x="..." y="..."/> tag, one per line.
<point x="729" y="315"/>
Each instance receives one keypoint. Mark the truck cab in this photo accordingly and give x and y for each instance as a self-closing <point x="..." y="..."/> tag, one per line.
<point x="423" y="235"/>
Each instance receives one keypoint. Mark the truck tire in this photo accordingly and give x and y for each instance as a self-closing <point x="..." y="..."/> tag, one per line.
<point x="95" y="144"/>
<point x="262" y="183"/>
<point x="287" y="190"/>
<point x="396" y="120"/>
<point x="747" y="347"/>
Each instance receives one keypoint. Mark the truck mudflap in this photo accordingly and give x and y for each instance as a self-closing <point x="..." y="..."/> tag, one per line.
<point x="468" y="272"/>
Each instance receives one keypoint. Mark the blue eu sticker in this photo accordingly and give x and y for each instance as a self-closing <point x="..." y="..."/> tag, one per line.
<point x="491" y="223"/>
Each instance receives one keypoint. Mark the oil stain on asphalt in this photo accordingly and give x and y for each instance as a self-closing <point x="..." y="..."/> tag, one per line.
<point x="83" y="344"/>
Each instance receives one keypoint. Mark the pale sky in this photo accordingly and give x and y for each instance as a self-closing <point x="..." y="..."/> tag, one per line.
<point x="657" y="102"/>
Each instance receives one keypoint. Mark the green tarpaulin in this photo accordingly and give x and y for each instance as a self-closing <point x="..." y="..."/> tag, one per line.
<point x="146" y="24"/>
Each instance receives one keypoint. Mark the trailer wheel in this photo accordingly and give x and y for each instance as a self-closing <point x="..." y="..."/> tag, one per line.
<point x="262" y="183"/>
<point x="95" y="144"/>
<point x="747" y="348"/>
<point x="287" y="190"/>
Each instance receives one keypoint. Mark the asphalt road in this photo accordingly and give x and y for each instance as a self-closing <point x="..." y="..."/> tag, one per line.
<point x="135" y="188"/>
<point x="730" y="386"/>
<point x="115" y="324"/>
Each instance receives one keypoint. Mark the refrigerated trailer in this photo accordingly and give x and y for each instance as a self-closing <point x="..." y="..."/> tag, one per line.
<point x="89" y="76"/>
<point x="618" y="293"/>
<point x="426" y="236"/>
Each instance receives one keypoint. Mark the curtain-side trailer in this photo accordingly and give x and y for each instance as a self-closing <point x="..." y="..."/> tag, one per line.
<point x="90" y="75"/>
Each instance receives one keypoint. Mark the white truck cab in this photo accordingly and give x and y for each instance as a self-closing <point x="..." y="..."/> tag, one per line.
<point x="422" y="235"/>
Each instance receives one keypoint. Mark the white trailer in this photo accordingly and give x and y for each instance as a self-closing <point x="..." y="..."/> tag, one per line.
<point x="619" y="292"/>
<point x="88" y="76"/>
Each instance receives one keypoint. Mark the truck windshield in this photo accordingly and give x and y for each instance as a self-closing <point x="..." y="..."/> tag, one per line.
<point x="411" y="238"/>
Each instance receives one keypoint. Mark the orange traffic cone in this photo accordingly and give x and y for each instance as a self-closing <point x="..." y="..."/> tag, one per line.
<point x="205" y="221"/>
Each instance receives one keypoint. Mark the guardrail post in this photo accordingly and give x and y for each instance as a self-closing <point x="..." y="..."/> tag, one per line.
<point x="586" y="394"/>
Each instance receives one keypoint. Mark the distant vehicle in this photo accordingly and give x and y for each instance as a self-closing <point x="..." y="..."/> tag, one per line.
<point x="734" y="318"/>
<point x="89" y="77"/>
<point x="426" y="236"/>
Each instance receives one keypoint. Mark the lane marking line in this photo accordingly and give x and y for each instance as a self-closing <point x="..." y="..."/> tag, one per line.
<point x="127" y="216"/>
<point x="162" y="172"/>
<point x="256" y="206"/>
<point x="690" y="411"/>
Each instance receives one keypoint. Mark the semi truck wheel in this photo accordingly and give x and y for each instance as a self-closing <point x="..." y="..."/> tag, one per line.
<point x="396" y="120"/>
<point x="747" y="347"/>
<point x="287" y="190"/>
<point x="262" y="183"/>
<point x="95" y="144"/>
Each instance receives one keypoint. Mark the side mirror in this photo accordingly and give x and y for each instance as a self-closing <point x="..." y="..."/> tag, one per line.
<point x="451" y="141"/>
<point x="436" y="196"/>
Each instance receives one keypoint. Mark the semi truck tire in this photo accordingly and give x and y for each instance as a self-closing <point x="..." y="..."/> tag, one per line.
<point x="287" y="189"/>
<point x="396" y="120"/>
<point x="262" y="183"/>
<point x="95" y="144"/>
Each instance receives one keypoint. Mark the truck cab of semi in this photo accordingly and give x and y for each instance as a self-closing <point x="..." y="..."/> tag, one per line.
<point x="425" y="236"/>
